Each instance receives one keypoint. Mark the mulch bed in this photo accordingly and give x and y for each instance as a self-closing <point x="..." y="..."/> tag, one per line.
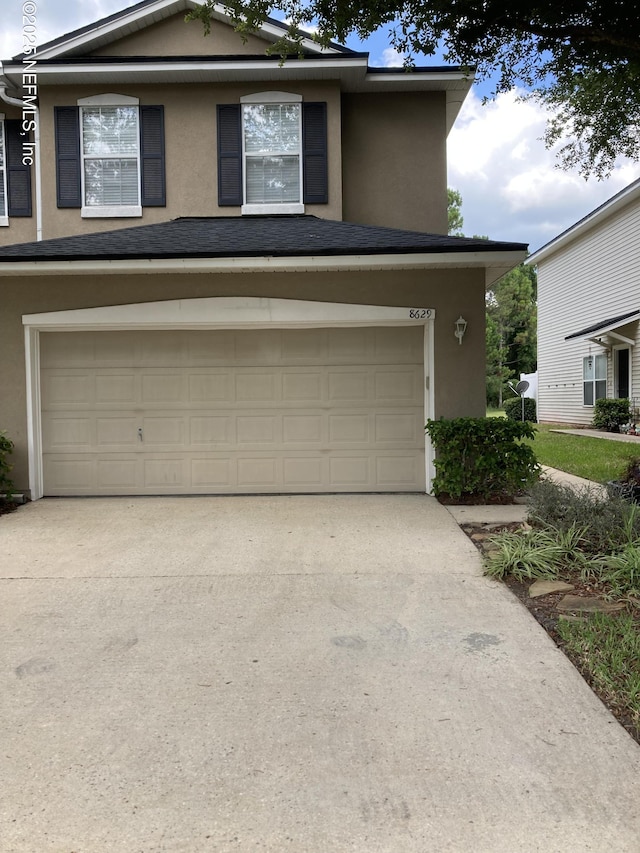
<point x="543" y="610"/>
<point x="7" y="506"/>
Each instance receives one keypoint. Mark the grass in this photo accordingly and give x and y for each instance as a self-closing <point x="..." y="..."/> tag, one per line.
<point x="606" y="648"/>
<point x="592" y="458"/>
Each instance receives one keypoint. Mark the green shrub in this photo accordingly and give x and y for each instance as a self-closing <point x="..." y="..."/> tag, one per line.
<point x="536" y="554"/>
<point x="6" y="447"/>
<point x="608" y="523"/>
<point x="482" y="457"/>
<point x="513" y="409"/>
<point x="610" y="413"/>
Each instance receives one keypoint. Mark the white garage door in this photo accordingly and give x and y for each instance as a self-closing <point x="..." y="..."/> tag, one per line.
<point x="244" y="411"/>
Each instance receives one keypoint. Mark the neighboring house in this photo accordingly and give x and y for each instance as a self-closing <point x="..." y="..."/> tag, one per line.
<point x="588" y="312"/>
<point x="232" y="274"/>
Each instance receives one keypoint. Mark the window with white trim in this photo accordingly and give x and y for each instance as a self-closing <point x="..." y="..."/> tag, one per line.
<point x="594" y="379"/>
<point x="4" y="216"/>
<point x="272" y="152"/>
<point x="110" y="152"/>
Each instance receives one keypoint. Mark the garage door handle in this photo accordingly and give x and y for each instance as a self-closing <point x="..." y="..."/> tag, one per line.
<point x="140" y="434"/>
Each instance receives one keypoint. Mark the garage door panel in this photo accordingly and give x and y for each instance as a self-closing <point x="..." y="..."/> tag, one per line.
<point x="216" y="474"/>
<point x="117" y="431"/>
<point x="120" y="475"/>
<point x="116" y="388"/>
<point x="308" y="472"/>
<point x="398" y="427"/>
<point x="303" y="387"/>
<point x="70" y="433"/>
<point x="211" y="430"/>
<point x="162" y="388"/>
<point x="336" y="410"/>
<point x="349" y="428"/>
<point x="303" y="428"/>
<point x="393" y="344"/>
<point x="211" y="388"/>
<point x="259" y="472"/>
<point x="61" y="389"/>
<point x="351" y="472"/>
<point x="396" y="472"/>
<point x="303" y="345"/>
<point x="349" y="385"/>
<point x="164" y="473"/>
<point x="70" y="475"/>
<point x="397" y="386"/>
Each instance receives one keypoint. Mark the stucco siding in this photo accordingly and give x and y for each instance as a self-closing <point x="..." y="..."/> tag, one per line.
<point x="594" y="278"/>
<point x="175" y="37"/>
<point x="394" y="160"/>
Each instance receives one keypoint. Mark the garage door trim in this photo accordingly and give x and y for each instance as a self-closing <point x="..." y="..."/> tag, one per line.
<point x="212" y="313"/>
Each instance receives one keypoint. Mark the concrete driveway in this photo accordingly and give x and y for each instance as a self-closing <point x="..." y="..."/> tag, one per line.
<point x="305" y="674"/>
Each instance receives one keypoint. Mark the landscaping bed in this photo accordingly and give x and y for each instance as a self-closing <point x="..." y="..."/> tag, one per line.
<point x="587" y="597"/>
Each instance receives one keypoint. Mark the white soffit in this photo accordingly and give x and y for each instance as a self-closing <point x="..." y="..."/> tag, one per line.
<point x="495" y="264"/>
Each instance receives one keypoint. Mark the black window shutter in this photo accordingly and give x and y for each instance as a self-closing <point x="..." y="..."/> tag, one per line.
<point x="18" y="175"/>
<point x="314" y="150"/>
<point x="229" y="155"/>
<point x="67" y="130"/>
<point x="152" y="157"/>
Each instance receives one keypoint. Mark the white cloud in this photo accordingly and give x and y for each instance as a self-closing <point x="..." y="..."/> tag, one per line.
<point x="391" y="58"/>
<point x="510" y="185"/>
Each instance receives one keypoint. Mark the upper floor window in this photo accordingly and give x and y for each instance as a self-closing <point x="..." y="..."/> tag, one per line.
<point x="15" y="170"/>
<point x="110" y="153"/>
<point x="110" y="156"/>
<point x="4" y="219"/>
<point x="594" y="379"/>
<point x="272" y="153"/>
<point x="272" y="140"/>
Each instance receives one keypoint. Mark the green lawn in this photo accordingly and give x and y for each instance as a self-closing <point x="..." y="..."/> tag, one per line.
<point x="593" y="458"/>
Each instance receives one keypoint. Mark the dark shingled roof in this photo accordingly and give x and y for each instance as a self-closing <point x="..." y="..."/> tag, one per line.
<point x="246" y="237"/>
<point x="604" y="324"/>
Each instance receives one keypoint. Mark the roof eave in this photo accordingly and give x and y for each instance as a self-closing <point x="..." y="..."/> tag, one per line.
<point x="494" y="263"/>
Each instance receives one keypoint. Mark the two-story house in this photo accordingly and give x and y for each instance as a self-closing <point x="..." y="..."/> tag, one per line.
<point x="588" y="312"/>
<point x="225" y="273"/>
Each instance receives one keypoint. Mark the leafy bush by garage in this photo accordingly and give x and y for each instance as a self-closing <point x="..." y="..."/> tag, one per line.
<point x="482" y="458"/>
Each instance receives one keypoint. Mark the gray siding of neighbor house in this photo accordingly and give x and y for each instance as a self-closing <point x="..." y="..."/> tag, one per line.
<point x="595" y="277"/>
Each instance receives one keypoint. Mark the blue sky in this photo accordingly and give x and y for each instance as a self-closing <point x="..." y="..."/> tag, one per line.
<point x="510" y="186"/>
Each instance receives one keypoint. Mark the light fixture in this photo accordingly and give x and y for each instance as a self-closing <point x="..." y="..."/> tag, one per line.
<point x="460" y="329"/>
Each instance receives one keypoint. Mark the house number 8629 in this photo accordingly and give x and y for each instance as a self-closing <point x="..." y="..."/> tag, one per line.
<point x="419" y="313"/>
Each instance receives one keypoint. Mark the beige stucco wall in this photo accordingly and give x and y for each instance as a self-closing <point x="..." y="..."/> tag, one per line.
<point x="190" y="148"/>
<point x="394" y="160"/>
<point x="175" y="37"/>
<point x="458" y="372"/>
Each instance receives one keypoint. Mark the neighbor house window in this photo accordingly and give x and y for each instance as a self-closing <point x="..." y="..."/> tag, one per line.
<point x="4" y="219"/>
<point x="272" y="151"/>
<point x="594" y="378"/>
<point x="110" y="150"/>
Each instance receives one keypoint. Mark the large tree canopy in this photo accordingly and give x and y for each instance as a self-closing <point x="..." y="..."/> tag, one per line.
<point x="579" y="57"/>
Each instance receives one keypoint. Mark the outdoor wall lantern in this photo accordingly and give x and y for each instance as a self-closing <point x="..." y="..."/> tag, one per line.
<point x="460" y="329"/>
